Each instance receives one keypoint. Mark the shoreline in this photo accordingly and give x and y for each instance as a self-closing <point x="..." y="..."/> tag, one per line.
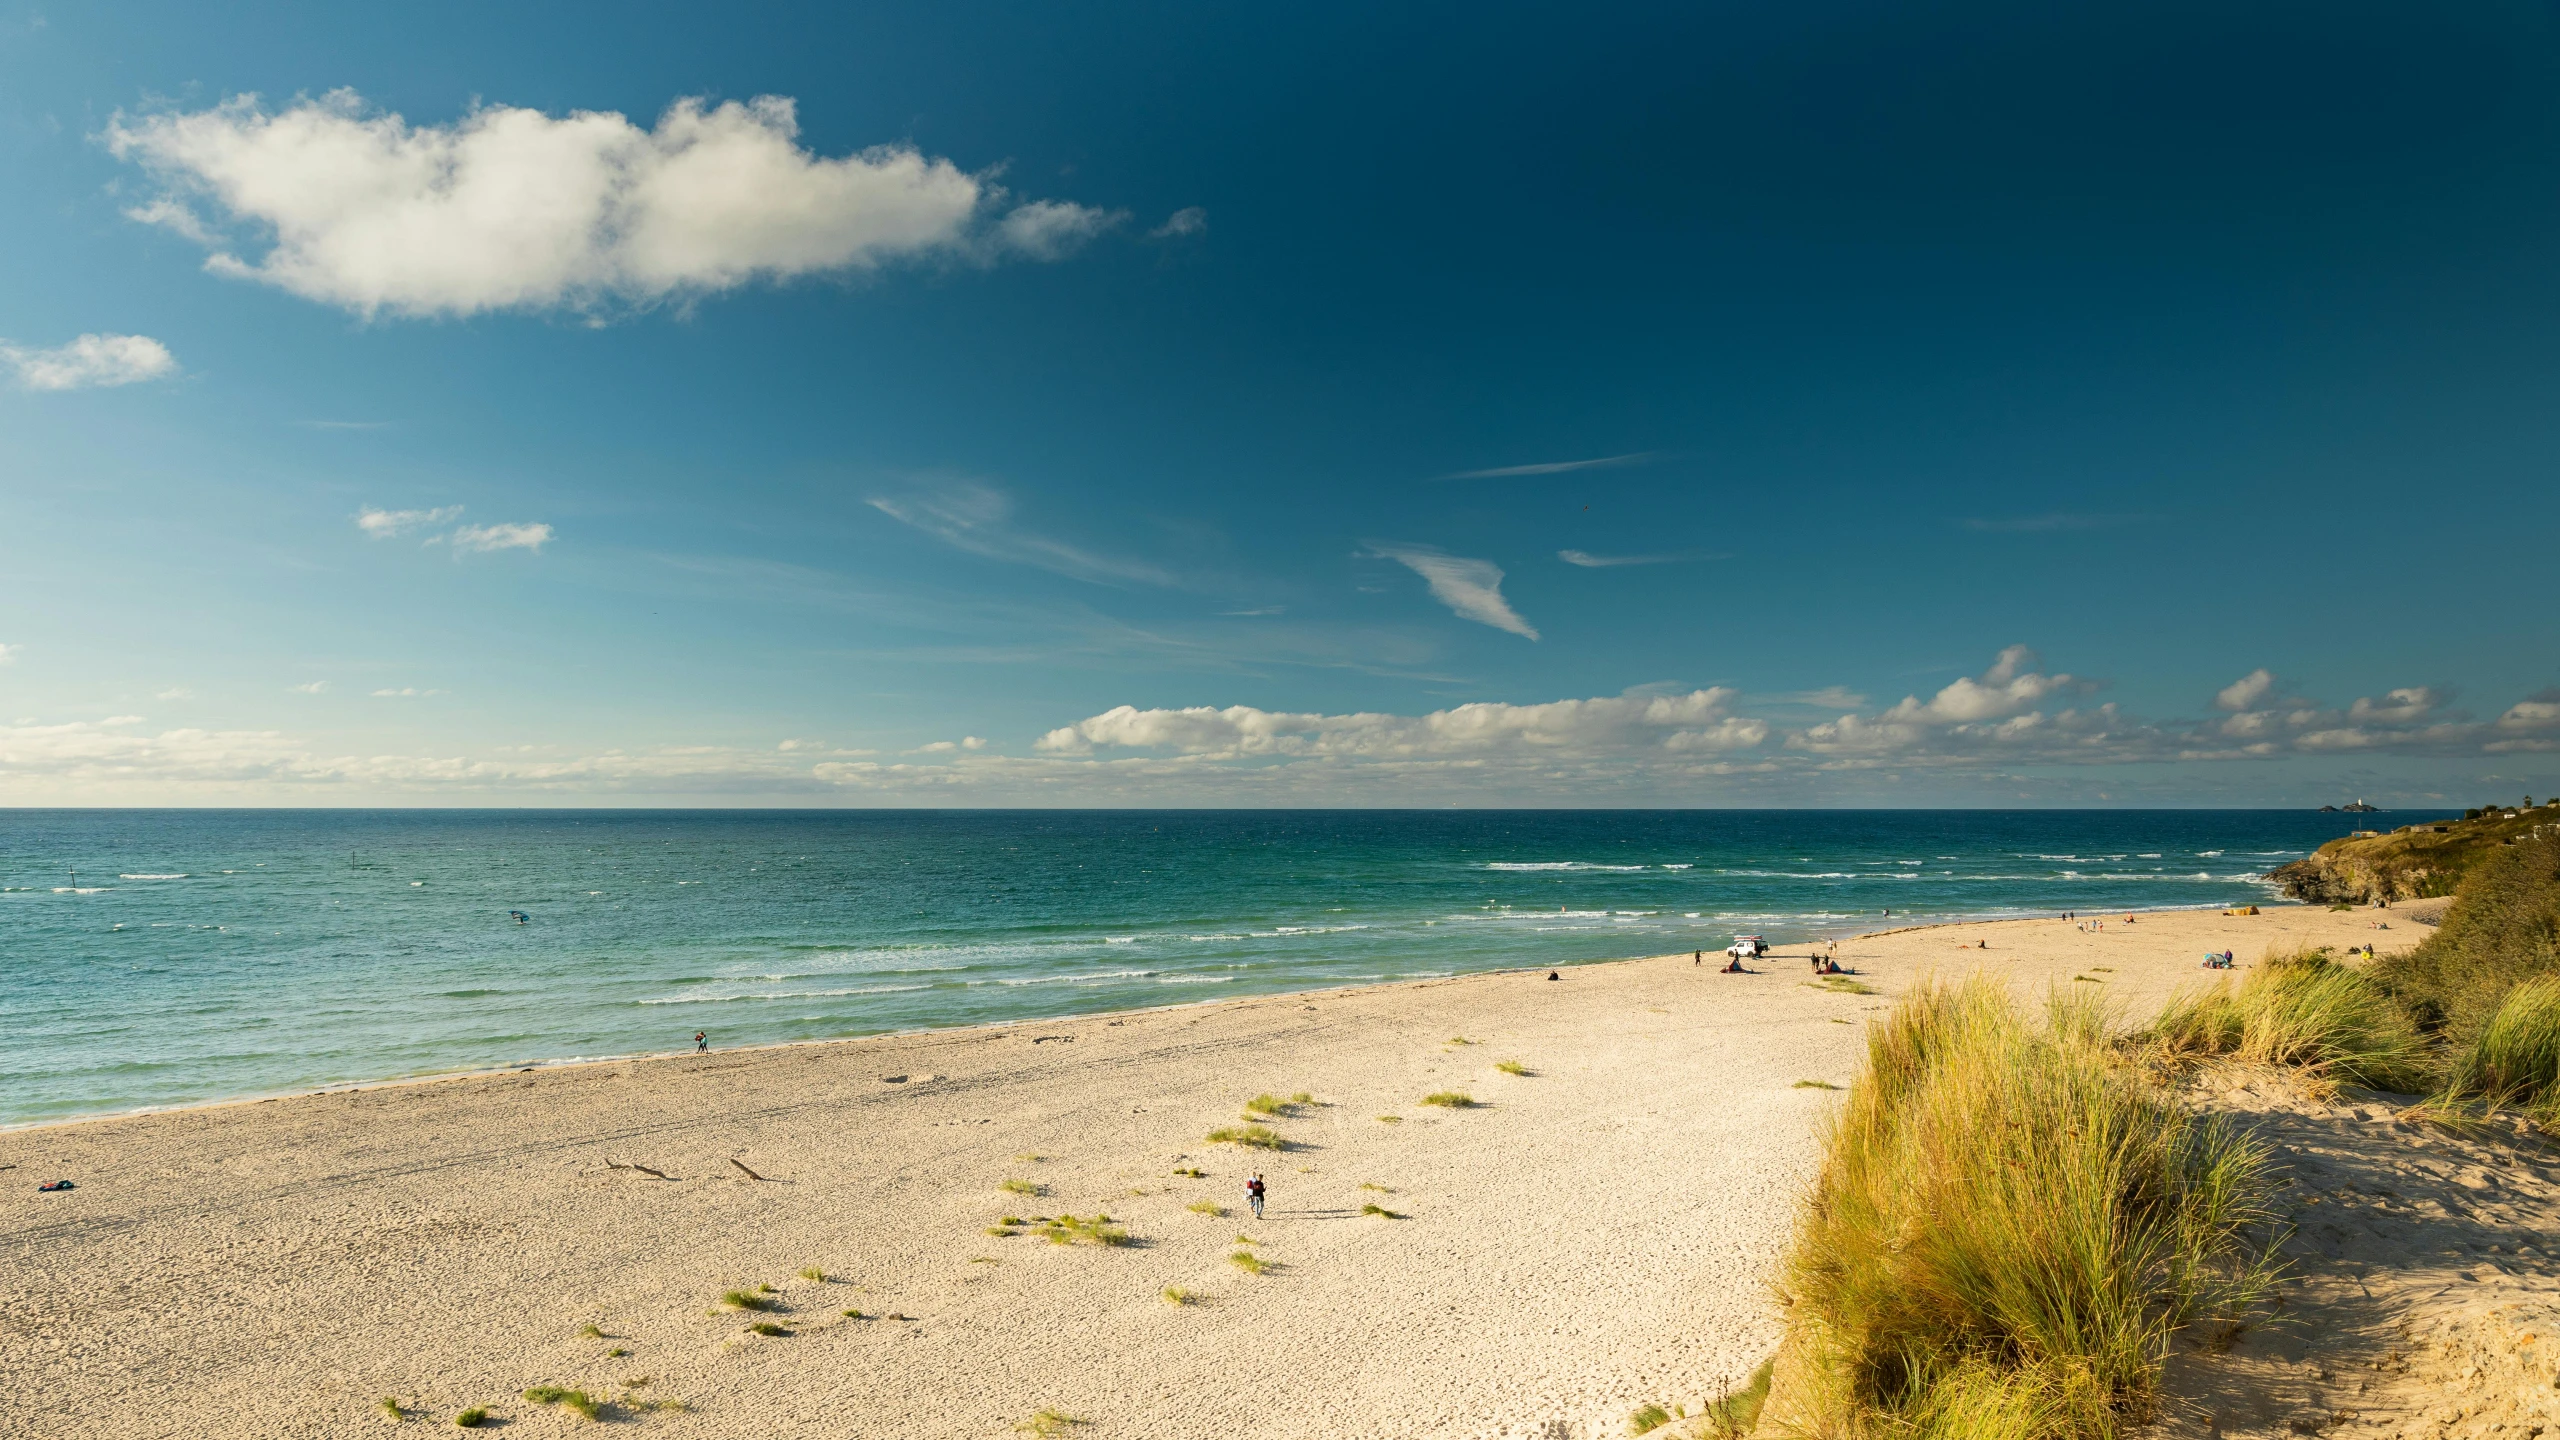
<point x="439" y="1077"/>
<point x="1592" y="1234"/>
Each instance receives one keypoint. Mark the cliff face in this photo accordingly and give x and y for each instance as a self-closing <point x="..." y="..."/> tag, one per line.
<point x="2407" y="863"/>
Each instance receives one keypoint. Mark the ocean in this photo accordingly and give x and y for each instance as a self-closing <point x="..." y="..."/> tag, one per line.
<point x="158" y="958"/>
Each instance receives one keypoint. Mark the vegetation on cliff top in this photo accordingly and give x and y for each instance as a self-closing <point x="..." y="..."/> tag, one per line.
<point x="2413" y="861"/>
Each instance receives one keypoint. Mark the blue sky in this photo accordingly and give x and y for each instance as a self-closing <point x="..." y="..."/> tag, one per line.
<point x="968" y="404"/>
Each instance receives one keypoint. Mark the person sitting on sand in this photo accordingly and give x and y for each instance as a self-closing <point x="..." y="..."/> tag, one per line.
<point x="1733" y="966"/>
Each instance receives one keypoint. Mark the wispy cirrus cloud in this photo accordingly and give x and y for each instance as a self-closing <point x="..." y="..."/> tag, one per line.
<point x="89" y="362"/>
<point x="2045" y="524"/>
<point x="382" y="524"/>
<point x="514" y="209"/>
<point x="977" y="517"/>
<point x="1472" y="589"/>
<point x="385" y="524"/>
<point x="1589" y="561"/>
<point x="1551" y="467"/>
<point x="482" y="539"/>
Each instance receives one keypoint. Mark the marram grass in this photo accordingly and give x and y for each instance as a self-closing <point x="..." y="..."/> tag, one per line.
<point x="2300" y="1009"/>
<point x="2010" y="1224"/>
<point x="2515" y="1059"/>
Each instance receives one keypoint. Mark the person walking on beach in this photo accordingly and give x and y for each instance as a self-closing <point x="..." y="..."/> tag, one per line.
<point x="701" y="1042"/>
<point x="1253" y="1191"/>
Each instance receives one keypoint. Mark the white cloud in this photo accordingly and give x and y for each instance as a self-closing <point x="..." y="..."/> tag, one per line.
<point x="90" y="361"/>
<point x="1470" y="588"/>
<point x="2399" y="707"/>
<point x="406" y="692"/>
<point x="2011" y="685"/>
<point x="2245" y="692"/>
<point x="1552" y="467"/>
<point x="978" y="518"/>
<point x="514" y="209"/>
<point x="9" y="654"/>
<point x="310" y="687"/>
<point x="1603" y="562"/>
<point x="175" y="692"/>
<point x="1054" y="229"/>
<point x="952" y="747"/>
<point x="383" y="524"/>
<point x="480" y="539"/>
<point x="1187" y="221"/>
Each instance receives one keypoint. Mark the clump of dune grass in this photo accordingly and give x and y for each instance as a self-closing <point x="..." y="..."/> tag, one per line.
<point x="1002" y="1232"/>
<point x="2010" y="1223"/>
<point x="391" y="1407"/>
<point x="1260" y="1137"/>
<point x="2300" y="1008"/>
<point x="1244" y="1239"/>
<point x="616" y="1353"/>
<point x="1302" y="1098"/>
<point x="1094" y="1230"/>
<point x="1374" y="1185"/>
<point x="1512" y="1067"/>
<point x="1449" y="1099"/>
<point x="2515" y="1057"/>
<point x="1460" y="1040"/>
<point x="1192" y="1172"/>
<point x="855" y="1315"/>
<point x="472" y="1419"/>
<point x="1814" y="1085"/>
<point x="1028" y="1158"/>
<point x="1736" y="1413"/>
<point x="2087" y="980"/>
<point x="1381" y="1211"/>
<point x="1023" y="1187"/>
<point x="812" y="1272"/>
<point x="767" y="1327"/>
<point x="1647" y="1420"/>
<point x="579" y="1401"/>
<point x="1176" y="1295"/>
<point x="1390" y="1119"/>
<point x="589" y="1331"/>
<point x="1267" y="1106"/>
<point x="1049" y="1422"/>
<point x="1249" y="1263"/>
<point x="1209" y="1208"/>
<point x="745" y="1300"/>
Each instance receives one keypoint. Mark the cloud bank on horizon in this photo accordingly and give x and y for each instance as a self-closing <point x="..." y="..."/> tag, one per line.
<point x="513" y="209"/>
<point x="1653" y="747"/>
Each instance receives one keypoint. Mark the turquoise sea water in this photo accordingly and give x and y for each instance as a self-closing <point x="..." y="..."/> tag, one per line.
<point x="152" y="958"/>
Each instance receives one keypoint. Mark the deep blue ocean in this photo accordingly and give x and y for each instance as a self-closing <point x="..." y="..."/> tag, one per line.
<point x="152" y="958"/>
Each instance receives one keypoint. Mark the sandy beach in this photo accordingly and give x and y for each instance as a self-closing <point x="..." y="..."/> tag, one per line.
<point x="1591" y="1236"/>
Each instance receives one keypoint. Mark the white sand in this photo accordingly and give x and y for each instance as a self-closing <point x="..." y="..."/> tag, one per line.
<point x="1594" y="1237"/>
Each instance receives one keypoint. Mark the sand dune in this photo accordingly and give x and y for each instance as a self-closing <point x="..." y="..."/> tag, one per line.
<point x="1592" y="1237"/>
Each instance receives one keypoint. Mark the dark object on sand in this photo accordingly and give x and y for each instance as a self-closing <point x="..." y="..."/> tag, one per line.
<point x="55" y="1185"/>
<point x="1553" y="975"/>
<point x="612" y="1164"/>
<point x="742" y="1165"/>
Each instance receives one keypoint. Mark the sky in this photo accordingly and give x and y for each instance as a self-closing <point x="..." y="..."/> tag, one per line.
<point x="1132" y="404"/>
